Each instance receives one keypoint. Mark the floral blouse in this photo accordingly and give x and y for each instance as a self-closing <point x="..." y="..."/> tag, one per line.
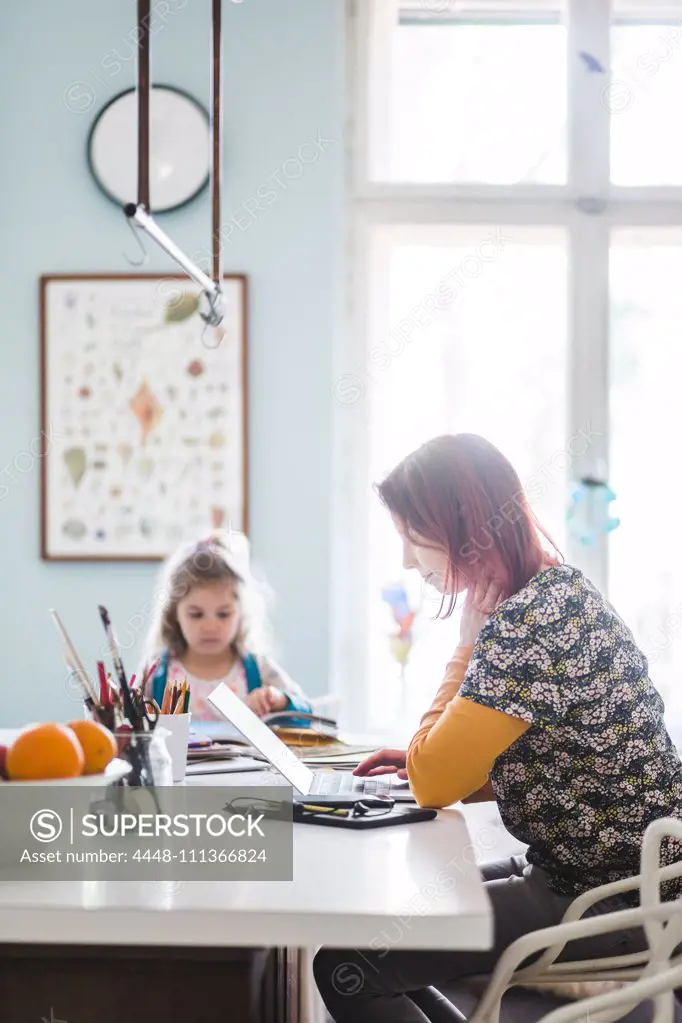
<point x="580" y="786"/>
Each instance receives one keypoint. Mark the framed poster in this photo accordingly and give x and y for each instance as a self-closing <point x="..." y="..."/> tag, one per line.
<point x="143" y="415"/>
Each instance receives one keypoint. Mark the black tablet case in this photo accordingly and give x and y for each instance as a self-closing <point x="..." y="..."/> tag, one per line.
<point x="398" y="815"/>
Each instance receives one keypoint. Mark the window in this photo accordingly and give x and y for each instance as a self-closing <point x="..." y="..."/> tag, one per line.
<point x="644" y="102"/>
<point x="508" y="313"/>
<point x="645" y="575"/>
<point x="477" y="102"/>
<point x="517" y="242"/>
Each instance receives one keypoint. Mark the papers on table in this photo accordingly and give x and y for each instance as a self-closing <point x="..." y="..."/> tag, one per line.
<point x="346" y="756"/>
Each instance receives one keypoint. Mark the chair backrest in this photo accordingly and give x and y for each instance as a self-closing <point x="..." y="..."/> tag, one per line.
<point x="613" y="1006"/>
<point x="662" y="925"/>
<point x="561" y="935"/>
<point x="662" y="938"/>
<point x="647" y="882"/>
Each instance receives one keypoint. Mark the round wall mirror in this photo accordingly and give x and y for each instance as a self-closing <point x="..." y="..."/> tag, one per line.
<point x="179" y="148"/>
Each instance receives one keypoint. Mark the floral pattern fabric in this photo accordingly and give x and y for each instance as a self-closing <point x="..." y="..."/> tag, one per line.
<point x="597" y="765"/>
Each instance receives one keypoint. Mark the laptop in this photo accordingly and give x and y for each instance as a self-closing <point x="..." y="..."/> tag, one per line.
<point x="305" y="782"/>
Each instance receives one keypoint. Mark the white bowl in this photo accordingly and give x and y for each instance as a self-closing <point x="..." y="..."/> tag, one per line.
<point x="113" y="772"/>
<point x="15" y="839"/>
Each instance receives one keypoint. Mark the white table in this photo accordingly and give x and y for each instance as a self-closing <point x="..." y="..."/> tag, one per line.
<point x="417" y="884"/>
<point x="348" y="887"/>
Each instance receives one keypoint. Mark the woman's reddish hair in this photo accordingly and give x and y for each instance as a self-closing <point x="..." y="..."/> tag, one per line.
<point x="460" y="494"/>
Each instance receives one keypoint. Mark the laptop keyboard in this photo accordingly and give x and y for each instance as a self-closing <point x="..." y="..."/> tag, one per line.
<point x="341" y="783"/>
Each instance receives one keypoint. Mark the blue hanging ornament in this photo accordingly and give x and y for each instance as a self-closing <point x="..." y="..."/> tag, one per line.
<point x="588" y="516"/>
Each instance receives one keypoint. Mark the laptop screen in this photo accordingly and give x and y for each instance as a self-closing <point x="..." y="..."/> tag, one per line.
<point x="263" y="738"/>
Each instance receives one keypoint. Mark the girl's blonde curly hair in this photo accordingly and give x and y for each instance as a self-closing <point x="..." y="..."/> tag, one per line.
<point x="220" y="557"/>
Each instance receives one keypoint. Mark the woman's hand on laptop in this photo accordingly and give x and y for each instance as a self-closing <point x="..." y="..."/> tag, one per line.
<point x="384" y="761"/>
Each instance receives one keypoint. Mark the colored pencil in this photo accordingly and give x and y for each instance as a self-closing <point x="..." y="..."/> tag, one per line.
<point x="180" y="703"/>
<point x="149" y="673"/>
<point x="165" y="703"/>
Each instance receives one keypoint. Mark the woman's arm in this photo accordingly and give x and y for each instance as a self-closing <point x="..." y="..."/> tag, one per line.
<point x="451" y="759"/>
<point x="454" y="676"/>
<point x="452" y="682"/>
<point x="483" y="795"/>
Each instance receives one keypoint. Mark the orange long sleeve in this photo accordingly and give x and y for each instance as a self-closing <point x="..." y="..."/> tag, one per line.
<point x="454" y="676"/>
<point x="458" y="741"/>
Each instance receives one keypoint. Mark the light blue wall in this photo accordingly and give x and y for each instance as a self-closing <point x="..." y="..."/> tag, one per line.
<point x="283" y="84"/>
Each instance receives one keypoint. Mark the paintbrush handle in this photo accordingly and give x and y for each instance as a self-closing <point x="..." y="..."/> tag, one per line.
<point x="77" y="664"/>
<point x="113" y="649"/>
<point x="87" y="696"/>
<point x="128" y="705"/>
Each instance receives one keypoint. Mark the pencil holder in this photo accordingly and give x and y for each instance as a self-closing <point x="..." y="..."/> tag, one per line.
<point x="148" y="755"/>
<point x="177" y="740"/>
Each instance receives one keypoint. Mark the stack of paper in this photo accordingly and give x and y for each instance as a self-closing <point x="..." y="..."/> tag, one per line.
<point x="218" y="731"/>
<point x="217" y="751"/>
<point x="345" y="757"/>
<point x="220" y="767"/>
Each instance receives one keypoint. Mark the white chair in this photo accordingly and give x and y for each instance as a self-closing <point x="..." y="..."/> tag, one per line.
<point x="661" y="922"/>
<point x="589" y="1010"/>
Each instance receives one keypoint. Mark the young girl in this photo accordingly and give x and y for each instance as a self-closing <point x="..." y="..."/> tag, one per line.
<point x="205" y="629"/>
<point x="546" y="707"/>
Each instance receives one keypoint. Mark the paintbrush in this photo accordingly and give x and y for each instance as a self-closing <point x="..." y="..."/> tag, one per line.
<point x="75" y="662"/>
<point x="128" y="704"/>
<point x="87" y="699"/>
<point x="104" y="713"/>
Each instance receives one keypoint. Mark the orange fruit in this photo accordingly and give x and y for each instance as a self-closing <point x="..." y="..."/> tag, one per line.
<point x="99" y="745"/>
<point x="44" y="752"/>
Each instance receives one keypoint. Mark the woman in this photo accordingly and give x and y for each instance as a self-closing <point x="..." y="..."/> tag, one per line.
<point x="546" y="706"/>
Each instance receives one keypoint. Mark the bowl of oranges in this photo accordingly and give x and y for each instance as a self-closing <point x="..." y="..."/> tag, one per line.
<point x="80" y="752"/>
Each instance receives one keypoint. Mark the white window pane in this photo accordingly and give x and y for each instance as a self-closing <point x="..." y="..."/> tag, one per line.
<point x="646" y="10"/>
<point x="644" y="98"/>
<point x="475" y="103"/>
<point x="645" y="564"/>
<point x="491" y="359"/>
